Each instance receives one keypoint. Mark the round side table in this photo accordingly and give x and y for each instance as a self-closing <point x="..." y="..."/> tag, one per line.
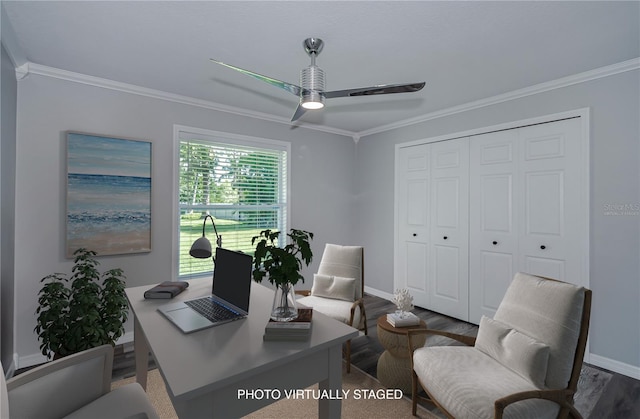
<point x="394" y="365"/>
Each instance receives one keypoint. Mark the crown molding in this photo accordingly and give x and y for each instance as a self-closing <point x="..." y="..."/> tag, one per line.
<point x="46" y="71"/>
<point x="22" y="71"/>
<point x="31" y="68"/>
<point x="586" y="76"/>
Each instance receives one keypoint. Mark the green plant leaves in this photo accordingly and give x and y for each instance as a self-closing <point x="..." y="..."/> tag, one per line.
<point x="88" y="313"/>
<point x="281" y="265"/>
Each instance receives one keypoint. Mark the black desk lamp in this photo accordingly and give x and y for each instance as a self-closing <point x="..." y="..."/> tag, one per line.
<point x="201" y="248"/>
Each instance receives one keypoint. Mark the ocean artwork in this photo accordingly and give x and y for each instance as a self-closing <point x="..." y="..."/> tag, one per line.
<point x="108" y="194"/>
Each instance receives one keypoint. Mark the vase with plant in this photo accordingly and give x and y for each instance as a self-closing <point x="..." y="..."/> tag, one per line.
<point x="282" y="265"/>
<point x="84" y="311"/>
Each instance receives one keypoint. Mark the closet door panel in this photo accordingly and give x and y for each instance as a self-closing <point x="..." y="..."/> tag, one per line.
<point x="416" y="267"/>
<point x="446" y="274"/>
<point x="545" y="266"/>
<point x="412" y="258"/>
<point x="550" y="179"/>
<point x="449" y="270"/>
<point x="496" y="273"/>
<point x="493" y="232"/>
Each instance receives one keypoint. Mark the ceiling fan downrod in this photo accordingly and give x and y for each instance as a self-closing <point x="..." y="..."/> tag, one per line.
<point x="312" y="77"/>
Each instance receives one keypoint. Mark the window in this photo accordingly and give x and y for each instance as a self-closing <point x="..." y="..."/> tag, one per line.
<point x="240" y="181"/>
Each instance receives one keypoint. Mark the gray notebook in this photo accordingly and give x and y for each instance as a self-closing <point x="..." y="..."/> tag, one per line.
<point x="229" y="299"/>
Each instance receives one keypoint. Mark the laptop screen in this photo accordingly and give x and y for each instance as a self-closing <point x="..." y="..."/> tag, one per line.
<point x="232" y="277"/>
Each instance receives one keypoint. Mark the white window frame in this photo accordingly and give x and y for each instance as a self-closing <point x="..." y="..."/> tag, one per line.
<point x="219" y="137"/>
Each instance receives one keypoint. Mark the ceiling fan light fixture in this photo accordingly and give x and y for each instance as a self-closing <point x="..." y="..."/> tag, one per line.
<point x="313" y="100"/>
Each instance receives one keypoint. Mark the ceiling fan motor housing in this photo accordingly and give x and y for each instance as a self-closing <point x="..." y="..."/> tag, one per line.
<point x="312" y="83"/>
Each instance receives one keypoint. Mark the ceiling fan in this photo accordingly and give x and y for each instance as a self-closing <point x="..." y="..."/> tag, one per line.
<point x="312" y="93"/>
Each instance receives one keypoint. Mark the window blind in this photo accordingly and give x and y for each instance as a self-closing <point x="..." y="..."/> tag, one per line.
<point x="243" y="187"/>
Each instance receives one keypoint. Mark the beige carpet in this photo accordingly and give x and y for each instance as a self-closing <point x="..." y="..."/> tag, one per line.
<point x="352" y="408"/>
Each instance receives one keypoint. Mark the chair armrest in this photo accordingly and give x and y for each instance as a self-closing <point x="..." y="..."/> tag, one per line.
<point x="467" y="340"/>
<point x="60" y="387"/>
<point x="563" y="397"/>
<point x="358" y="303"/>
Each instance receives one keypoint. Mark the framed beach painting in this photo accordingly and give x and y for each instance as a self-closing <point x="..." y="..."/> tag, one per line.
<point x="108" y="194"/>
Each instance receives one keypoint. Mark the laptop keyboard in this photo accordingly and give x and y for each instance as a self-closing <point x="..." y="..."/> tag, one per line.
<point x="212" y="310"/>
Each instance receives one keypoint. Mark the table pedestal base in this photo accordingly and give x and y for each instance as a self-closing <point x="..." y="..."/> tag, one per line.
<point x="394" y="372"/>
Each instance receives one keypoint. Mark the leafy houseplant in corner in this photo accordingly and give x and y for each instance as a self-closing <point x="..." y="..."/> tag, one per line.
<point x="282" y="265"/>
<point x="88" y="313"/>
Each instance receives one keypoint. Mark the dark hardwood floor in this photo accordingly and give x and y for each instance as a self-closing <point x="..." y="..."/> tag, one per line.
<point x="620" y="398"/>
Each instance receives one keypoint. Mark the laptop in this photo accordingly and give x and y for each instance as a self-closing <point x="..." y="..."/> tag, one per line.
<point x="229" y="300"/>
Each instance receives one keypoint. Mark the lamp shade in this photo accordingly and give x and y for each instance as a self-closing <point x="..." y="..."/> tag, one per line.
<point x="201" y="248"/>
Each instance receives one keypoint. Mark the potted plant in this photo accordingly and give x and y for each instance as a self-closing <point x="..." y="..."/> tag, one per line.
<point x="282" y="265"/>
<point x="82" y="312"/>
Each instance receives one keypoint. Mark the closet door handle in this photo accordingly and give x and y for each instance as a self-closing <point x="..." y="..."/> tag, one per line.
<point x="414" y="234"/>
<point x="445" y="237"/>
<point x="543" y="247"/>
<point x="495" y="242"/>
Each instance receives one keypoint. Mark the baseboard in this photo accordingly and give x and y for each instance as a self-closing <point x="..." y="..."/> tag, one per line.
<point x="29" y="360"/>
<point x="382" y="294"/>
<point x="616" y="366"/>
<point x="125" y="339"/>
<point x="37" y="359"/>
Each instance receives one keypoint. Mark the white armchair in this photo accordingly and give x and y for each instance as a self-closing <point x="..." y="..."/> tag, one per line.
<point x="524" y="363"/>
<point x="77" y="386"/>
<point x="338" y="288"/>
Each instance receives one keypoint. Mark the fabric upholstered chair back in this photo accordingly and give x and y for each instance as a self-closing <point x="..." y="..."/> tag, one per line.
<point x="550" y="312"/>
<point x="344" y="261"/>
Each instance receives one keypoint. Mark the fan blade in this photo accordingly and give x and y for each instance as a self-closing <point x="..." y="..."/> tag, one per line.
<point x="291" y="88"/>
<point x="382" y="89"/>
<point x="298" y="113"/>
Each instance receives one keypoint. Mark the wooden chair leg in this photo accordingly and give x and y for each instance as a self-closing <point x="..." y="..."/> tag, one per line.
<point x="364" y="316"/>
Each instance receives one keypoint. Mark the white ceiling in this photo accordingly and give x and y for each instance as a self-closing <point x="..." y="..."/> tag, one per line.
<point x="465" y="51"/>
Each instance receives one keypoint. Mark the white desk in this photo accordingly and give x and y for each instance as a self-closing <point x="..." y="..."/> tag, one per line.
<point x="204" y="370"/>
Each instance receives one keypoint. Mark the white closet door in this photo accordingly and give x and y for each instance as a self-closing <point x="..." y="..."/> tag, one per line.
<point x="449" y="247"/>
<point x="493" y="239"/>
<point x="550" y="180"/>
<point x="525" y="197"/>
<point x="412" y="257"/>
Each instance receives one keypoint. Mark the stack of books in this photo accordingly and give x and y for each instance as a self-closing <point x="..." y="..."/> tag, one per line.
<point x="166" y="290"/>
<point x="295" y="330"/>
<point x="409" y="319"/>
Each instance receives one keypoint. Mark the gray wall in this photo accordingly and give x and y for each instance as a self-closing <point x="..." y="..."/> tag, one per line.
<point x="340" y="191"/>
<point x="8" y="87"/>
<point x="321" y="180"/>
<point x="615" y="179"/>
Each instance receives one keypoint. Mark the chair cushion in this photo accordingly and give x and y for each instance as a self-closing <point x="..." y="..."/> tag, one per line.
<point x="343" y="261"/>
<point x="128" y="401"/>
<point x="467" y="382"/>
<point x="336" y="309"/>
<point x="334" y="287"/>
<point x="549" y="312"/>
<point x="518" y="352"/>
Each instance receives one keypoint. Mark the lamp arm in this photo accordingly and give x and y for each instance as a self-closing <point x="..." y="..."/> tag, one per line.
<point x="215" y="230"/>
